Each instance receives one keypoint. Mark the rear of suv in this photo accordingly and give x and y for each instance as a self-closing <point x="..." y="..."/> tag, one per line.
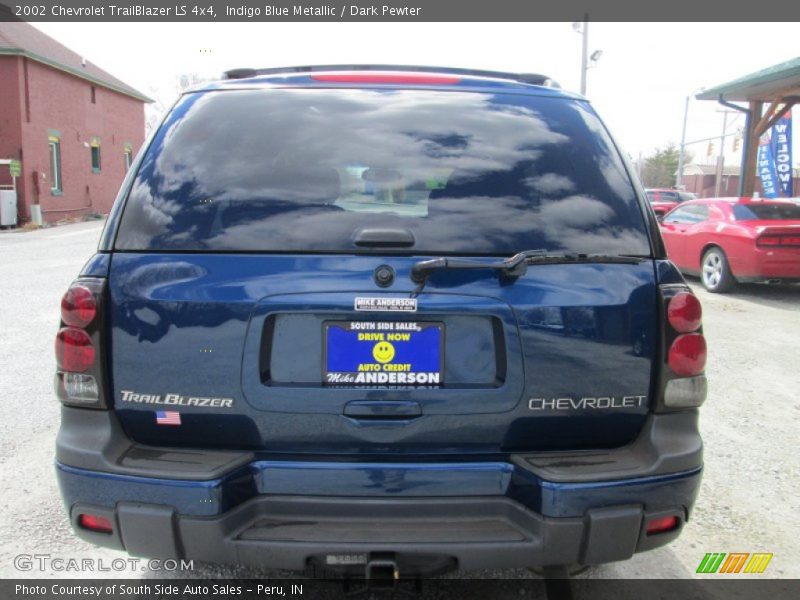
<point x="373" y="318"/>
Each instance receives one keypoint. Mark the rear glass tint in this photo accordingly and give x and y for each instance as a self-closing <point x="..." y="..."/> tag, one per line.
<point x="304" y="170"/>
<point x="766" y="211"/>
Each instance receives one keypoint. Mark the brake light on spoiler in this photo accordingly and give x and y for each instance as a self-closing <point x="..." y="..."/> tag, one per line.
<point x="378" y="77"/>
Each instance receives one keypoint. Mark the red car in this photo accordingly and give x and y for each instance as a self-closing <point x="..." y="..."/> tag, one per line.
<point x="663" y="200"/>
<point x="730" y="240"/>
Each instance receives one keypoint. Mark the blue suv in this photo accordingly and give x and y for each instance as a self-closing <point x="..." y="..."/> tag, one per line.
<point x="378" y="319"/>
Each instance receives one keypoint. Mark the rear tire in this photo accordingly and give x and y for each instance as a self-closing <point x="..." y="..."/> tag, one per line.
<point x="715" y="272"/>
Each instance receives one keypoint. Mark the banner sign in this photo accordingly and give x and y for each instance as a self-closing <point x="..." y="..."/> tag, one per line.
<point x="766" y="167"/>
<point x="781" y="150"/>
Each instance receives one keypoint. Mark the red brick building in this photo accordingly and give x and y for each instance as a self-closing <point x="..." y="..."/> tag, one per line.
<point x="74" y="127"/>
<point x="701" y="180"/>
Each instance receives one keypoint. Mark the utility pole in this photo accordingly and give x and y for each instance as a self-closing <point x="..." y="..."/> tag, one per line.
<point x="721" y="155"/>
<point x="584" y="52"/>
<point x="587" y="61"/>
<point x="682" y="152"/>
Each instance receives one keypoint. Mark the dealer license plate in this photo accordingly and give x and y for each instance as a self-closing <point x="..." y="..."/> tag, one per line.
<point x="376" y="353"/>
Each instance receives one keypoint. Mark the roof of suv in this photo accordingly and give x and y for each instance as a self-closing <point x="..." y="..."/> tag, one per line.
<point x="389" y="76"/>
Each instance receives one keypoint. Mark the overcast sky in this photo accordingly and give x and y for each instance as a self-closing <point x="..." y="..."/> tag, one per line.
<point x="638" y="86"/>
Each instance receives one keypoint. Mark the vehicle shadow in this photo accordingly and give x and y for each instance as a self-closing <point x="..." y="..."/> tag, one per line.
<point x="781" y="296"/>
<point x="595" y="583"/>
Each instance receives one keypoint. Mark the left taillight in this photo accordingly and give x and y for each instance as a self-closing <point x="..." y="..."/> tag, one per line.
<point x="80" y="379"/>
<point x="78" y="306"/>
<point x="96" y="523"/>
<point x="74" y="350"/>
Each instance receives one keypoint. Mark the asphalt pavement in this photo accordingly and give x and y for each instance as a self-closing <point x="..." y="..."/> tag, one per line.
<point x="749" y="496"/>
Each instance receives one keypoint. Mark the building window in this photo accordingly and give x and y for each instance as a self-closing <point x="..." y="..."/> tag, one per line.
<point x="94" y="95"/>
<point x="55" y="166"/>
<point x="128" y="156"/>
<point x="95" y="147"/>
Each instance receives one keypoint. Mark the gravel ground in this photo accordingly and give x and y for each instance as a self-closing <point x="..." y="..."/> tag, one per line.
<point x="748" y="501"/>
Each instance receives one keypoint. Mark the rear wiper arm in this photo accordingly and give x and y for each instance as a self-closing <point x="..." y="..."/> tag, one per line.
<point x="517" y="265"/>
<point x="512" y="267"/>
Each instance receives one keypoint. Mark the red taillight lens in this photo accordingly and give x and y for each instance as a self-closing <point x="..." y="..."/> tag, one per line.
<point x="662" y="525"/>
<point x="95" y="523"/>
<point x="685" y="313"/>
<point x="78" y="306"/>
<point x="687" y="355"/>
<point x="377" y="77"/>
<point x="769" y="240"/>
<point x="74" y="350"/>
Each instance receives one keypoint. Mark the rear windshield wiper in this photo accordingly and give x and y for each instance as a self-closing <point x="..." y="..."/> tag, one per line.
<point x="517" y="265"/>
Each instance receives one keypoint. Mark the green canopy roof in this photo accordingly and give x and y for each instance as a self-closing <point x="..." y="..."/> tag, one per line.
<point x="773" y="83"/>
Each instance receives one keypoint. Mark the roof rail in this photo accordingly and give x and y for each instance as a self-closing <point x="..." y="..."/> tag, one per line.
<point x="528" y="78"/>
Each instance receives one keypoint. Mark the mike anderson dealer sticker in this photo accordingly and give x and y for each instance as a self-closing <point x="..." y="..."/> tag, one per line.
<point x="386" y="304"/>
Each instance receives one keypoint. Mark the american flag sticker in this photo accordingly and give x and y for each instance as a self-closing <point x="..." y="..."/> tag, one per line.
<point x="168" y="417"/>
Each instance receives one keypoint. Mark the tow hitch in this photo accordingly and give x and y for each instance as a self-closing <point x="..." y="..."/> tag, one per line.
<point x="381" y="571"/>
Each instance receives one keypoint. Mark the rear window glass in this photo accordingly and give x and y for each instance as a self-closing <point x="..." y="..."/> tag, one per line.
<point x="665" y="196"/>
<point x="293" y="170"/>
<point x="766" y="211"/>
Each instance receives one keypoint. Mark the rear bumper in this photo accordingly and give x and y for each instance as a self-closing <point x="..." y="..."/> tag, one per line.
<point x="290" y="532"/>
<point x="523" y="510"/>
<point x="766" y="264"/>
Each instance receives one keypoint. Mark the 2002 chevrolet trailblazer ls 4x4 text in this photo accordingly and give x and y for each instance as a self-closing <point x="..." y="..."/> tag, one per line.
<point x="380" y="318"/>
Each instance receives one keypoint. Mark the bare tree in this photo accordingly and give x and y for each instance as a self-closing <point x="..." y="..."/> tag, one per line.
<point x="164" y="99"/>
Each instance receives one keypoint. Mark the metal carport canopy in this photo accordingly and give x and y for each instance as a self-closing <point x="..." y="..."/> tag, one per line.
<point x="778" y="87"/>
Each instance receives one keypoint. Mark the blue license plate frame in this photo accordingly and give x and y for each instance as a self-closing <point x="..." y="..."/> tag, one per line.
<point x="383" y="353"/>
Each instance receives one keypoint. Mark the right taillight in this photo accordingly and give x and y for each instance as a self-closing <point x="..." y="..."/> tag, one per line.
<point x="683" y="382"/>
<point x="79" y="376"/>
<point x="687" y="355"/>
<point x="684" y="312"/>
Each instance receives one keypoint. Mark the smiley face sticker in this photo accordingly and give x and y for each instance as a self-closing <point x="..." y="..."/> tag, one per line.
<point x="383" y="352"/>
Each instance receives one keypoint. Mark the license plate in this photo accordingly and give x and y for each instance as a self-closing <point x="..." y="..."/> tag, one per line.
<point x="376" y="353"/>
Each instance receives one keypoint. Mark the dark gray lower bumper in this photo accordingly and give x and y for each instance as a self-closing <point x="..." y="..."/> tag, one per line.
<point x="522" y="510"/>
<point x="290" y="532"/>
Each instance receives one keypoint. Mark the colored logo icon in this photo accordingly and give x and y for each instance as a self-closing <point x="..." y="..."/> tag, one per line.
<point x="735" y="562"/>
